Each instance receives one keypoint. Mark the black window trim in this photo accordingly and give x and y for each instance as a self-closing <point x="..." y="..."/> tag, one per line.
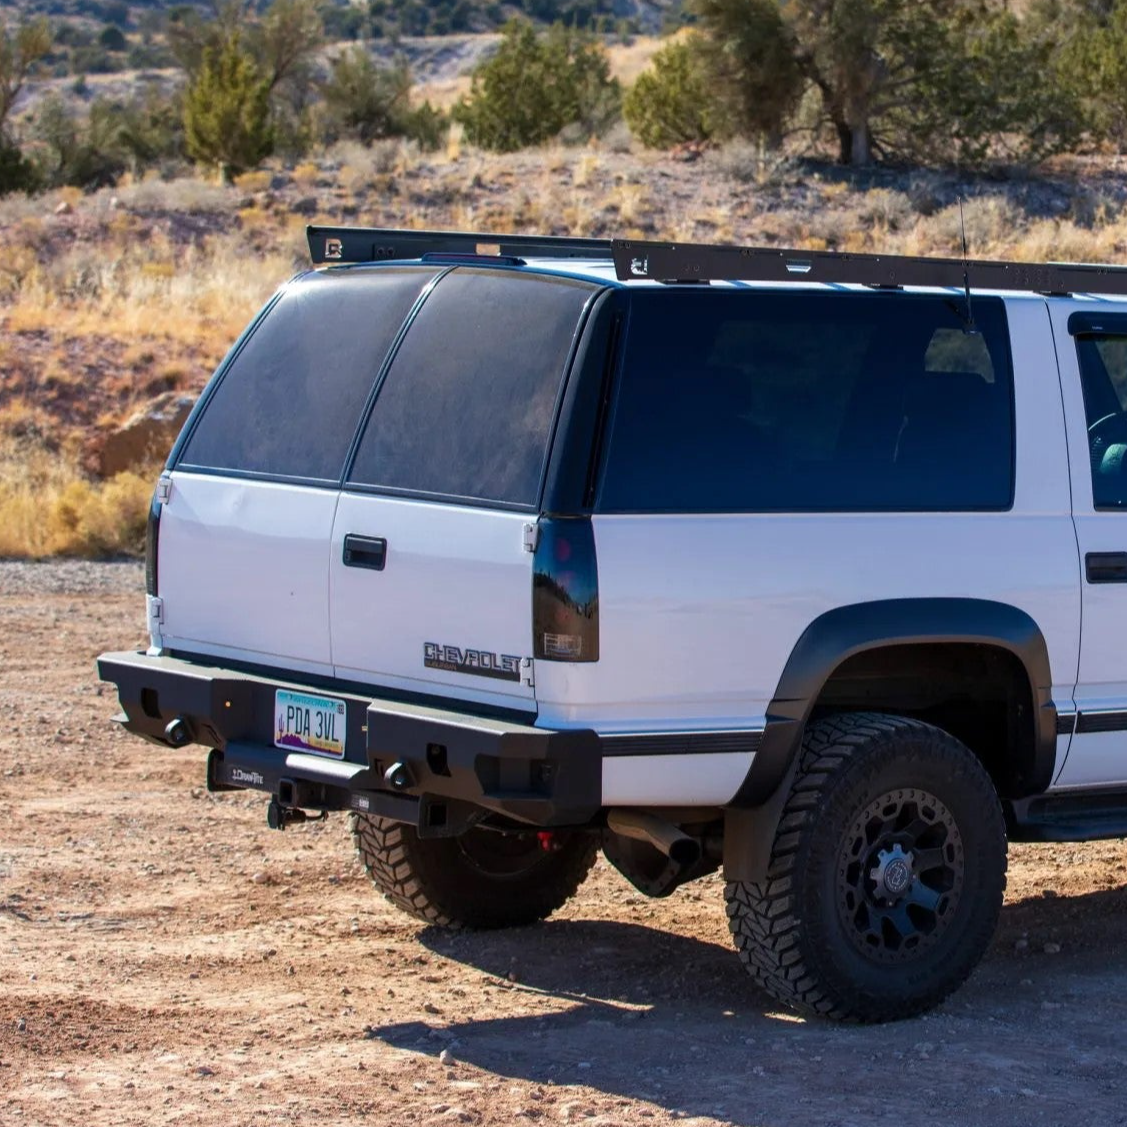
<point x="348" y="486"/>
<point x="598" y="509"/>
<point x="1089" y="323"/>
<point x="175" y="457"/>
<point x="1094" y="327"/>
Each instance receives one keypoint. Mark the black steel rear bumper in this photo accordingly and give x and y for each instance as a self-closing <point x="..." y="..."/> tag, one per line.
<point x="411" y="762"/>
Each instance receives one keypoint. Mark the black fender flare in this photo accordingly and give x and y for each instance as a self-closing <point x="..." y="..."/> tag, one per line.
<point x="834" y="637"/>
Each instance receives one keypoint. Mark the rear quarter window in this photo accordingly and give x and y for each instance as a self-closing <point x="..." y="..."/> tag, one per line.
<point x="753" y="401"/>
<point x="289" y="403"/>
<point x="467" y="408"/>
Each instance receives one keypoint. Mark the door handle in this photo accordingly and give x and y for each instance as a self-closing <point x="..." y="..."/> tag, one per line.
<point x="1106" y="567"/>
<point x="365" y="551"/>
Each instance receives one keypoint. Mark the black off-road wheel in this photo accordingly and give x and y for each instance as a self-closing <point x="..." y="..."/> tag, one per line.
<point x="885" y="878"/>
<point x="481" y="879"/>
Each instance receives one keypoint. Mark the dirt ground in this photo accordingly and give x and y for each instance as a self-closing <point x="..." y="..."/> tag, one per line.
<point x="167" y="959"/>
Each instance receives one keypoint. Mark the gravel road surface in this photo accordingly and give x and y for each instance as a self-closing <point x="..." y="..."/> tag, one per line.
<point x="166" y="959"/>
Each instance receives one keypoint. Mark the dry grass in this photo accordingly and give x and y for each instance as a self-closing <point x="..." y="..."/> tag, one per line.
<point x="141" y="289"/>
<point x="628" y="60"/>
<point x="49" y="508"/>
<point x="149" y="287"/>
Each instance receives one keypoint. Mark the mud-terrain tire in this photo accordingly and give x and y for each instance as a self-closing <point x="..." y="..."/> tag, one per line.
<point x="886" y="874"/>
<point x="482" y="879"/>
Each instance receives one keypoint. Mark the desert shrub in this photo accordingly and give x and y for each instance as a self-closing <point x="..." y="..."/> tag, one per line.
<point x="427" y="127"/>
<point x="368" y="102"/>
<point x="17" y="173"/>
<point x="85" y="152"/>
<point x="21" y="48"/>
<point x="753" y="162"/>
<point x="49" y="508"/>
<point x="749" y="53"/>
<point x="535" y="85"/>
<point x="112" y="38"/>
<point x="673" y="101"/>
<point x="227" y="110"/>
<point x="95" y="59"/>
<point x="150" y="129"/>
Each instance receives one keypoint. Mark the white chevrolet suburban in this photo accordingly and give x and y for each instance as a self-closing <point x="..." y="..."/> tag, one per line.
<point x="809" y="566"/>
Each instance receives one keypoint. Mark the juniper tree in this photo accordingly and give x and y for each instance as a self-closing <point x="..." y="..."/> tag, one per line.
<point x="227" y="110"/>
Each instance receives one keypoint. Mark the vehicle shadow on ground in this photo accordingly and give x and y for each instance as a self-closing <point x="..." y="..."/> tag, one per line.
<point x="675" y="1021"/>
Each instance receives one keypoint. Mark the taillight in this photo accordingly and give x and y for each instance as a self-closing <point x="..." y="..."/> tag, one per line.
<point x="565" y="591"/>
<point x="152" y="542"/>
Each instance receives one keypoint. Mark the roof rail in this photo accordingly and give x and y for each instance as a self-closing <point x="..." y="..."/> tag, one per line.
<point x="338" y="245"/>
<point x="684" y="262"/>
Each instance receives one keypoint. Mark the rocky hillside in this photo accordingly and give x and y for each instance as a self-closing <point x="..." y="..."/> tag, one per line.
<point x="388" y="17"/>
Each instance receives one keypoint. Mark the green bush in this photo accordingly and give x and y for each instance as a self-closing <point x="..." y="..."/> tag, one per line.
<point x="535" y="85"/>
<point x="149" y="129"/>
<point x="227" y="111"/>
<point x="17" y="173"/>
<point x="673" y="101"/>
<point x="427" y="127"/>
<point x="363" y="100"/>
<point x="754" y="65"/>
<point x="83" y="152"/>
<point x="368" y="102"/>
<point x="113" y="39"/>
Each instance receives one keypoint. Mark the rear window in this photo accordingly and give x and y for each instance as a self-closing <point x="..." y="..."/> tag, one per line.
<point x="291" y="400"/>
<point x="765" y="402"/>
<point x="467" y="408"/>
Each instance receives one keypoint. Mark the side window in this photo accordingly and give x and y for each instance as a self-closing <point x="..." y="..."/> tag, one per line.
<point x="291" y="400"/>
<point x="1103" y="373"/>
<point x="467" y="408"/>
<point x="751" y="401"/>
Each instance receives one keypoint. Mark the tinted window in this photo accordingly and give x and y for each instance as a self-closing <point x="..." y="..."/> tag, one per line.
<point x="1103" y="369"/>
<point x="751" y="401"/>
<point x="292" y="399"/>
<point x="467" y="407"/>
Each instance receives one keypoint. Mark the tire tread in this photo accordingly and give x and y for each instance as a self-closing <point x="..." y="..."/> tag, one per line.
<point x="767" y="930"/>
<point x="394" y="858"/>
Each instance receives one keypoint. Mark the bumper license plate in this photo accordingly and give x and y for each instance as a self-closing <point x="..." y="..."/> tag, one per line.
<point x="303" y="722"/>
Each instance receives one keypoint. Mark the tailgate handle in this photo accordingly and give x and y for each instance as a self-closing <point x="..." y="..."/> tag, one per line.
<point x="365" y="551"/>
<point x="1106" y="567"/>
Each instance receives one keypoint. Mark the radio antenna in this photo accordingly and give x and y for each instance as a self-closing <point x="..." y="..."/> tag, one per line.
<point x="969" y="327"/>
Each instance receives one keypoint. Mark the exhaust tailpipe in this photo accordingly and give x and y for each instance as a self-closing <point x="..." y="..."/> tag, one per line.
<point x="665" y="837"/>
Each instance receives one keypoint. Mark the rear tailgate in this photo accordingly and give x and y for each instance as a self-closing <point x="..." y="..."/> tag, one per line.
<point x="243" y="539"/>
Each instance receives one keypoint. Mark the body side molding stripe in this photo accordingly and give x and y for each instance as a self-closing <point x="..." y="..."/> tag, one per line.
<point x="682" y="743"/>
<point x="1101" y="722"/>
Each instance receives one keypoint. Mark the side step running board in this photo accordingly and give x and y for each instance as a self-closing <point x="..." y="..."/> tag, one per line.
<point x="1069" y="816"/>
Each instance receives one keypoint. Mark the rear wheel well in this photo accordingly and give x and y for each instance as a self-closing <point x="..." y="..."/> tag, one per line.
<point x="980" y="694"/>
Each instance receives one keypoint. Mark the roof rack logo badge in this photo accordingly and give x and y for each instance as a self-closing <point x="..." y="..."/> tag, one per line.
<point x="334" y="248"/>
<point x="639" y="267"/>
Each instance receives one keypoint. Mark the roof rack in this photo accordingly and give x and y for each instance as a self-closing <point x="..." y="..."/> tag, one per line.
<point x="684" y="262"/>
<point x="339" y="245"/>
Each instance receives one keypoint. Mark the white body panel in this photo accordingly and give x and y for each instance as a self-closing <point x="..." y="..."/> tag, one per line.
<point x="243" y="570"/>
<point x="454" y="576"/>
<point x="673" y="780"/>
<point x="699" y="614"/>
<point x="1095" y="758"/>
